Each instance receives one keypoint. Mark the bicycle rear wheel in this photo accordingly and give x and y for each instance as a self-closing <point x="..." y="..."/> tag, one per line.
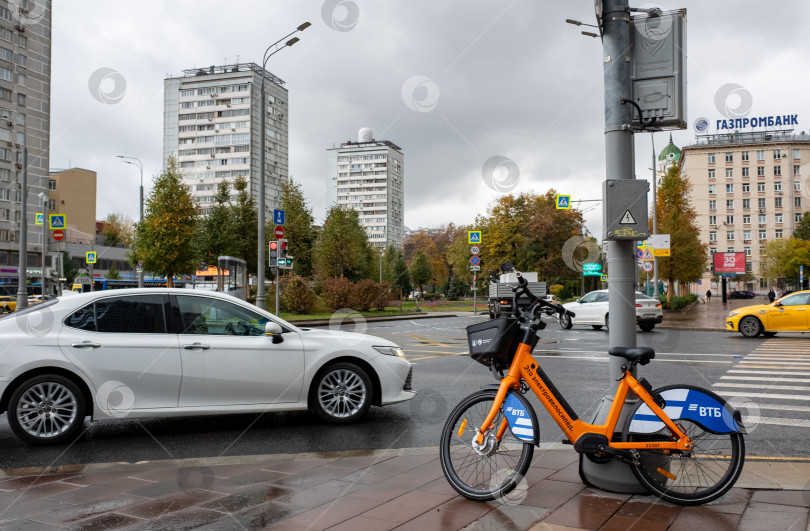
<point x="699" y="476"/>
<point x="485" y="472"/>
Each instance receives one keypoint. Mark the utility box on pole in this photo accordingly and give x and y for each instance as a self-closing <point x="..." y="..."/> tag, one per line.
<point x="658" y="68"/>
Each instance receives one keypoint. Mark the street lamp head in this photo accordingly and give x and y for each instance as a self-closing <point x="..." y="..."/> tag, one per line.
<point x="291" y="41"/>
<point x="574" y="22"/>
<point x="304" y="26"/>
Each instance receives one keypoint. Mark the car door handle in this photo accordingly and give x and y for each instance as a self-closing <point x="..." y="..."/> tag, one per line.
<point x="196" y="346"/>
<point x="86" y="344"/>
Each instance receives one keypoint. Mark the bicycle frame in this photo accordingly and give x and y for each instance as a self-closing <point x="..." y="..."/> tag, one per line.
<point x="526" y="367"/>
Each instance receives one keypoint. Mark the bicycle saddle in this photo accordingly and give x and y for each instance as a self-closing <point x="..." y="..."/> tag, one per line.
<point x="642" y="355"/>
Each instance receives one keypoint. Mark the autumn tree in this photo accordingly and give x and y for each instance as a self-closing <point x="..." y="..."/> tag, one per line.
<point x="245" y="225"/>
<point x="802" y="231"/>
<point x="676" y="217"/>
<point x="215" y="235"/>
<point x="395" y="270"/>
<point x="783" y="258"/>
<point x="342" y="250"/>
<point x="298" y="227"/>
<point x="164" y="242"/>
<point x="119" y="230"/>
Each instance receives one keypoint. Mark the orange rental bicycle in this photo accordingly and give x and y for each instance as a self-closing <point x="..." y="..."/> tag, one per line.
<point x="683" y="443"/>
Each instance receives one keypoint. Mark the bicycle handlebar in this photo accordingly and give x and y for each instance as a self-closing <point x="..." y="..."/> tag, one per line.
<point x="523" y="289"/>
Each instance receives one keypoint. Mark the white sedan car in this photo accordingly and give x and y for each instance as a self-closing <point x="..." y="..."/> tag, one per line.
<point x="160" y="352"/>
<point x="592" y="309"/>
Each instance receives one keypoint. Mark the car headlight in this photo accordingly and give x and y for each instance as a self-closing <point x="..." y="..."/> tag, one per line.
<point x="732" y="314"/>
<point x="391" y="351"/>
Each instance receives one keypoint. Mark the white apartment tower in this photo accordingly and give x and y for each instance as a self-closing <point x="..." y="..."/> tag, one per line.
<point x="25" y="103"/>
<point x="368" y="176"/>
<point x="211" y="122"/>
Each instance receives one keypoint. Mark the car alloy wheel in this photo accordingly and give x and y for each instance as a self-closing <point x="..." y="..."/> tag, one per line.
<point x="565" y="321"/>
<point x="342" y="393"/>
<point x="47" y="409"/>
<point x="750" y="326"/>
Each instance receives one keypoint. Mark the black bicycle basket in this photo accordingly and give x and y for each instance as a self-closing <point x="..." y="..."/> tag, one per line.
<point x="494" y="341"/>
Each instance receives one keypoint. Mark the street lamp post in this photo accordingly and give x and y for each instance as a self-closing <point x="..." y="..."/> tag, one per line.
<point x="261" y="296"/>
<point x="381" y="254"/>
<point x="137" y="162"/>
<point x="22" y="290"/>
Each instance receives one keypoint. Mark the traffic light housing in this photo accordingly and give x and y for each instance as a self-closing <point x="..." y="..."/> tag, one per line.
<point x="273" y="254"/>
<point x="283" y="246"/>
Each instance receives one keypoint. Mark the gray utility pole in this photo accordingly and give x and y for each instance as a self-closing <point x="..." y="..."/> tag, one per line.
<point x="22" y="287"/>
<point x="655" y="213"/>
<point x="44" y="238"/>
<point x="615" y="475"/>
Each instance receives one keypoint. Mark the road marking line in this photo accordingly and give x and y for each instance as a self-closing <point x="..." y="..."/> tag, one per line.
<point x="769" y="387"/>
<point x="804" y="423"/>
<point x="780" y="407"/>
<point x="803" y="364"/>
<point x="749" y="371"/>
<point x="806" y="398"/>
<point x="765" y="379"/>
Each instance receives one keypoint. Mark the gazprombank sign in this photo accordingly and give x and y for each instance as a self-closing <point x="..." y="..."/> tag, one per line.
<point x="762" y="121"/>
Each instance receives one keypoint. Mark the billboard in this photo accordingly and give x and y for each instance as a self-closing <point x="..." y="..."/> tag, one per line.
<point x="728" y="263"/>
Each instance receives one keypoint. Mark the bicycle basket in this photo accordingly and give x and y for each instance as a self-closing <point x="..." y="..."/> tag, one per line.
<point x="493" y="341"/>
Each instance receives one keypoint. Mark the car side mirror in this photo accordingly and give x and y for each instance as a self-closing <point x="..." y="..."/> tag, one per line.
<point x="273" y="329"/>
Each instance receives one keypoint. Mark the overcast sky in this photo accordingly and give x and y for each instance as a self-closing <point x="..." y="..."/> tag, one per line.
<point x="453" y="83"/>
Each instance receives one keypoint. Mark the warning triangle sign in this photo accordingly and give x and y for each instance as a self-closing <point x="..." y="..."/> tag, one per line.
<point x="647" y="255"/>
<point x="628" y="218"/>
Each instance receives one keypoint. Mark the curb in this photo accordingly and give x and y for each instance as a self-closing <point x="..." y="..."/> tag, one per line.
<point x="327" y="322"/>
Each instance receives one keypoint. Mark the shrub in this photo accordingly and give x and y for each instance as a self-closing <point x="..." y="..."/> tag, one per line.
<point x="384" y="295"/>
<point x="366" y="293"/>
<point x="556" y="290"/>
<point x="678" y="303"/>
<point x="337" y="293"/>
<point x="298" y="296"/>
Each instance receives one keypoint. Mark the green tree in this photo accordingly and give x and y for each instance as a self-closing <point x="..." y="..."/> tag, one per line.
<point x="245" y="225"/>
<point x="118" y="231"/>
<point x="69" y="267"/>
<point x="112" y="273"/>
<point x="783" y="258"/>
<point x="802" y="231"/>
<point x="395" y="270"/>
<point x="342" y="249"/>
<point x="164" y="242"/>
<point x="420" y="270"/>
<point x="676" y="217"/>
<point x="298" y="227"/>
<point x="215" y="235"/>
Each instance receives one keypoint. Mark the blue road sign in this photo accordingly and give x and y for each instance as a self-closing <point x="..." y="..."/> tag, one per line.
<point x="39" y="218"/>
<point x="474" y="236"/>
<point x="90" y="257"/>
<point x="278" y="217"/>
<point x="474" y="260"/>
<point x="564" y="202"/>
<point x="56" y="221"/>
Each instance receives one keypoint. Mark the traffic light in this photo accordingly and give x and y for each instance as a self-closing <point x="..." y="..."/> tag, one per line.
<point x="282" y="253"/>
<point x="273" y="254"/>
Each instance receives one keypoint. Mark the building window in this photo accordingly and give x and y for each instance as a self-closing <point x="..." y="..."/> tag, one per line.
<point x="760" y="171"/>
<point x="777" y="170"/>
<point x="797" y="201"/>
<point x="711" y="173"/>
<point x="777" y="187"/>
<point x="746" y="172"/>
<point x="6" y="74"/>
<point x="712" y="220"/>
<point x="747" y="219"/>
<point x="746" y="188"/>
<point x="21" y="59"/>
<point x="746" y="204"/>
<point x="763" y="235"/>
<point x="761" y="202"/>
<point x="760" y="154"/>
<point x="777" y="234"/>
<point x="712" y="188"/>
<point x="797" y="218"/>
<point x="730" y="220"/>
<point x="730" y="235"/>
<point x="763" y="219"/>
<point x="729" y="173"/>
<point x="747" y="250"/>
<point x="729" y="156"/>
<point x="797" y="186"/>
<point x="730" y="188"/>
<point x="797" y="170"/>
<point x="712" y="204"/>
<point x="747" y="235"/>
<point x="51" y="184"/>
<point x="760" y="187"/>
<point x="777" y="154"/>
<point x="777" y="202"/>
<point x="796" y="154"/>
<point x="712" y="236"/>
<point x="711" y="158"/>
<point x="777" y="218"/>
<point x="745" y="156"/>
<point x="729" y="204"/>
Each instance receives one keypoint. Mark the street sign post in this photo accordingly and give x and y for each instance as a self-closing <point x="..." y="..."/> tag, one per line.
<point x="279" y="232"/>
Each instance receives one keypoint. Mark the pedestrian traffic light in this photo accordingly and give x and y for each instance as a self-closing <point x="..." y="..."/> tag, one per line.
<point x="282" y="253"/>
<point x="273" y="254"/>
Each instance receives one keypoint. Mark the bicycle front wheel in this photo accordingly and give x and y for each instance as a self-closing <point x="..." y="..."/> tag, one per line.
<point x="481" y="472"/>
<point x="699" y="476"/>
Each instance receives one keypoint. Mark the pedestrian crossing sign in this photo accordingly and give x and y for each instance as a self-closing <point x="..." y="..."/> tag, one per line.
<point x="39" y="218"/>
<point x="474" y="236"/>
<point x="564" y="202"/>
<point x="56" y="221"/>
<point x="90" y="257"/>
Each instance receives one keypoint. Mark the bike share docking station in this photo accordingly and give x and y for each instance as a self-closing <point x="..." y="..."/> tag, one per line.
<point x="645" y="87"/>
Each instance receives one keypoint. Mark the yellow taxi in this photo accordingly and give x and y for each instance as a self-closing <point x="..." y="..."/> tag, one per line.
<point x="7" y="303"/>
<point x="788" y="314"/>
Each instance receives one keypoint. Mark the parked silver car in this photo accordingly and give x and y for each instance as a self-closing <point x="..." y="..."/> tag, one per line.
<point x="160" y="352"/>
<point x="592" y="309"/>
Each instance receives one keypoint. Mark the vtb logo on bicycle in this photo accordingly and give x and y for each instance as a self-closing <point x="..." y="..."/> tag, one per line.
<point x="706" y="411"/>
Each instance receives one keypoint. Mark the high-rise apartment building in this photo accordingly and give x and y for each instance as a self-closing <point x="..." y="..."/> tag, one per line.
<point x="72" y="192"/>
<point x="25" y="102"/>
<point x="748" y="189"/>
<point x="211" y="122"/>
<point x="369" y="176"/>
